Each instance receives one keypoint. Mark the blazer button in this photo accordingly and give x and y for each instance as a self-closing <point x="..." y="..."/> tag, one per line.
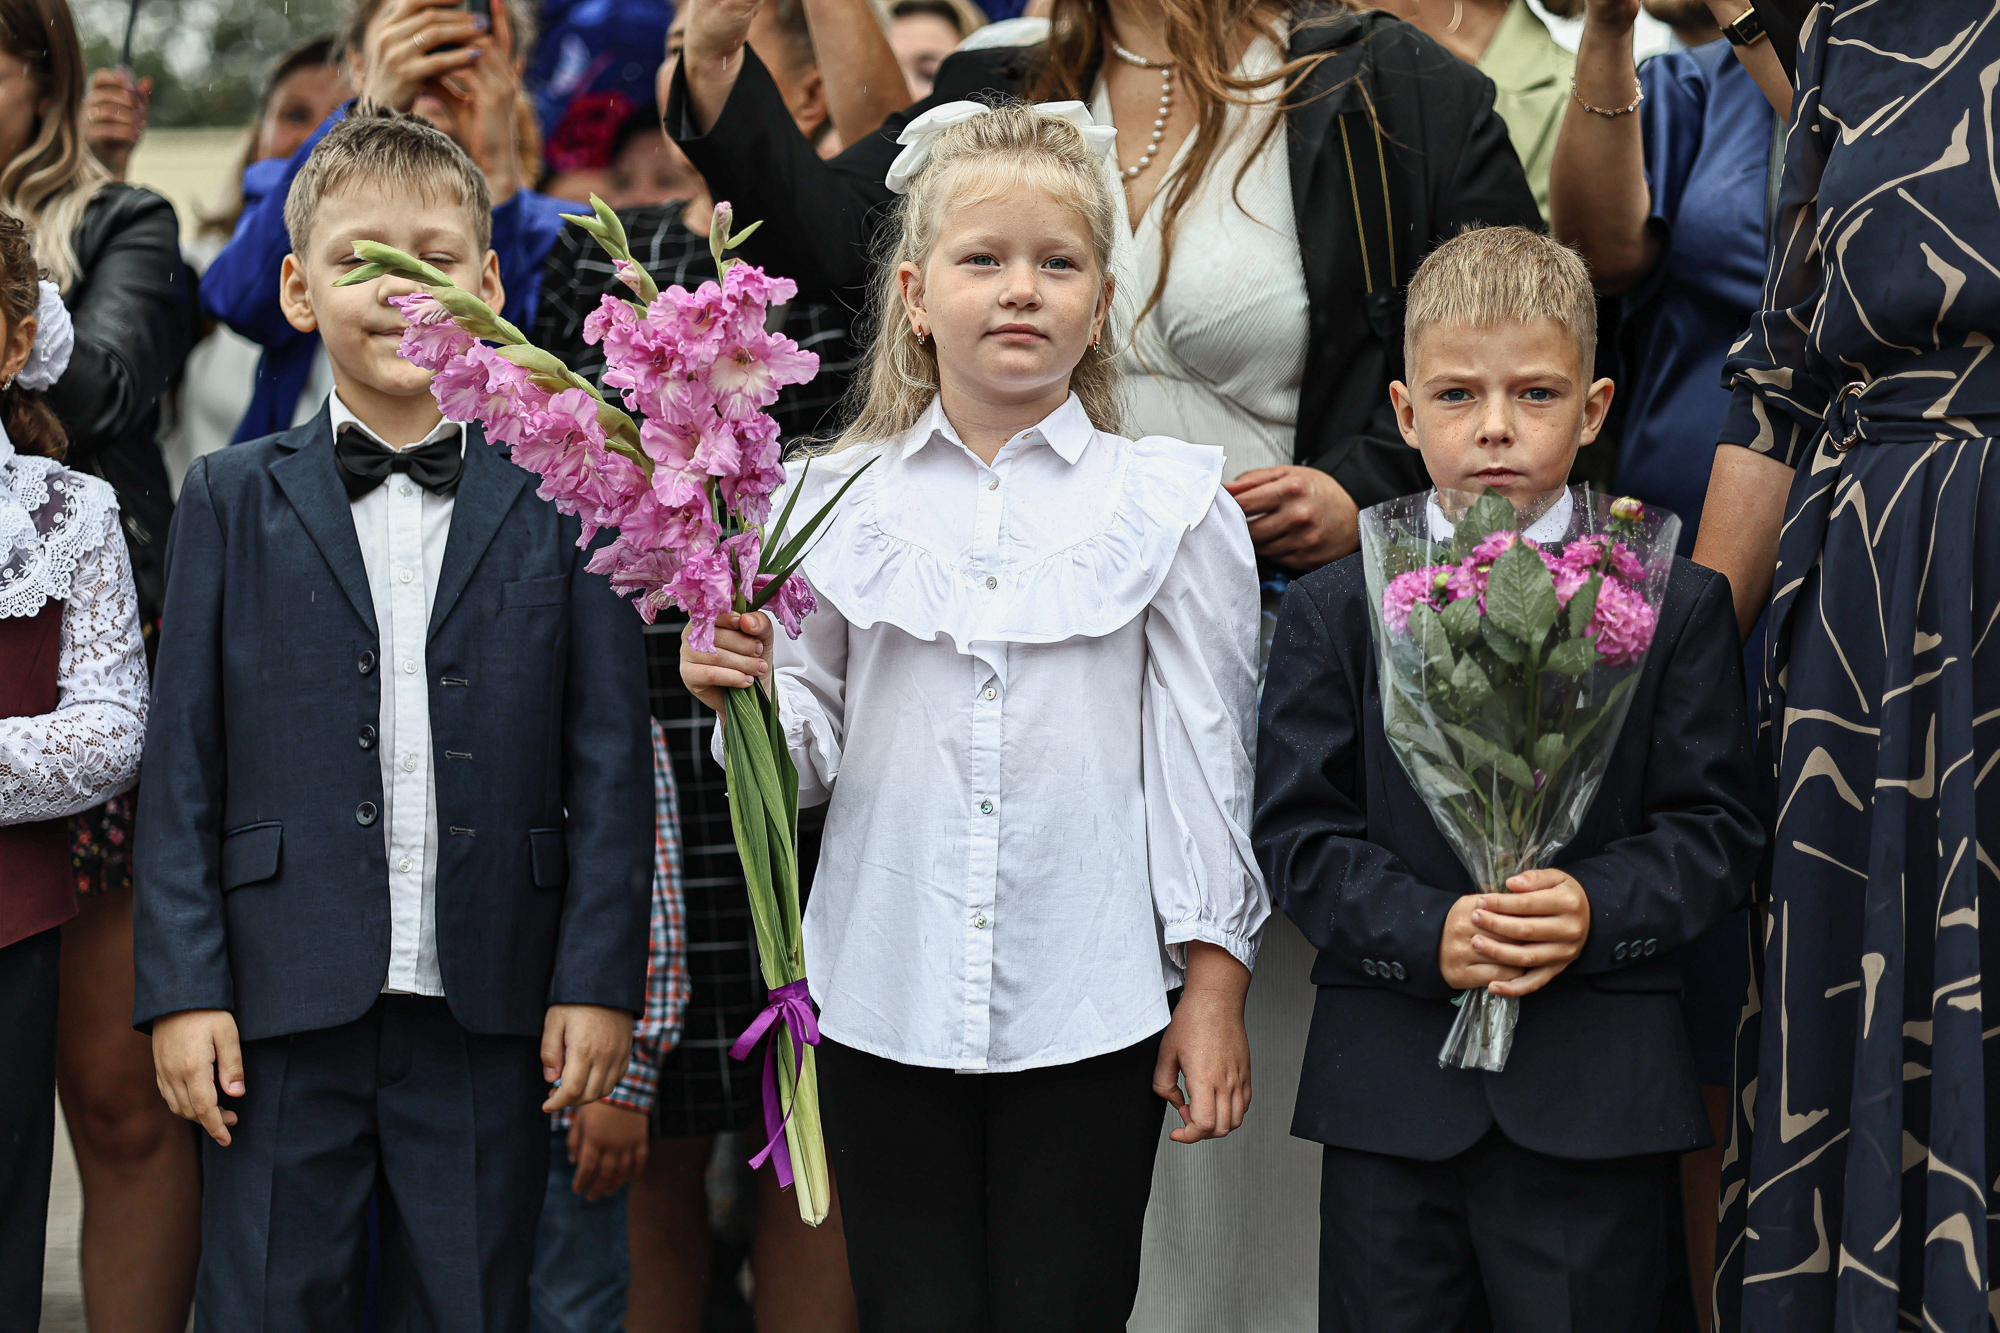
<point x="1618" y="954"/>
<point x="367" y="737"/>
<point x="365" y="663"/>
<point x="1652" y="947"/>
<point x="1368" y="967"/>
<point x="1396" y="971"/>
<point x="364" y="814"/>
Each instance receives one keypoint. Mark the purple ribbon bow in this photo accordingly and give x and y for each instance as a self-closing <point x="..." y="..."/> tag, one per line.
<point x="790" y="1004"/>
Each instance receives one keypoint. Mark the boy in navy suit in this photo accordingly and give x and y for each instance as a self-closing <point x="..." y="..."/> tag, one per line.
<point x="1534" y="1198"/>
<point x="396" y="836"/>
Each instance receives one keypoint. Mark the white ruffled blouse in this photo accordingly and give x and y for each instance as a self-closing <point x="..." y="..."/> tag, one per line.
<point x="59" y="541"/>
<point x="1030" y="694"/>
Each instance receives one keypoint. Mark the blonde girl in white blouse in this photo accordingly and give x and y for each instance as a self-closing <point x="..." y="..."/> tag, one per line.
<point x="1029" y="695"/>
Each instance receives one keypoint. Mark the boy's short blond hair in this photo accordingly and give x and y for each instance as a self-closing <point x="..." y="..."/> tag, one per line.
<point x="389" y="152"/>
<point x="1490" y="275"/>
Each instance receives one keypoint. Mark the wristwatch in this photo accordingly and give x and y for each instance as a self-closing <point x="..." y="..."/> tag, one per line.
<point x="1745" y="29"/>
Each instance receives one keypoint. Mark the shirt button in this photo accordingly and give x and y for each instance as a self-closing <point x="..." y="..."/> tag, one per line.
<point x="405" y="575"/>
<point x="992" y="582"/>
<point x="407" y="490"/>
<point x="409" y="666"/>
<point x="993" y="483"/>
<point x="986" y="807"/>
<point x="409" y="763"/>
<point x="405" y="865"/>
<point x="364" y="814"/>
<point x="979" y="922"/>
<point x="992" y="693"/>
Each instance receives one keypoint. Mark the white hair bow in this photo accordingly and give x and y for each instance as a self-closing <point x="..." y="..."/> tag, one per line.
<point x="55" y="339"/>
<point x="918" y="136"/>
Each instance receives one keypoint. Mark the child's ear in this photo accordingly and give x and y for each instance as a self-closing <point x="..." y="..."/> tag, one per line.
<point x="1596" y="406"/>
<point x="491" y="289"/>
<point x="1406" y="412"/>
<point x="20" y="342"/>
<point x="295" y="295"/>
<point x="910" y="284"/>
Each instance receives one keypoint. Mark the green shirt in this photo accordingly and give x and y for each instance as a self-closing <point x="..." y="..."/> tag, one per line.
<point x="1531" y="73"/>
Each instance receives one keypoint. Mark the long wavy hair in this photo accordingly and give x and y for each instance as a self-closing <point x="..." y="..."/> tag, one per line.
<point x="53" y="178"/>
<point x="1203" y="40"/>
<point x="972" y="159"/>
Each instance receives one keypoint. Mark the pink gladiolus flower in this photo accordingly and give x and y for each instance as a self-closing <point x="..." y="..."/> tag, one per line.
<point x="750" y="284"/>
<point x="481" y="385"/>
<point x="1623" y="623"/>
<point x="760" y="469"/>
<point x="629" y="274"/>
<point x="750" y="371"/>
<point x="430" y="338"/>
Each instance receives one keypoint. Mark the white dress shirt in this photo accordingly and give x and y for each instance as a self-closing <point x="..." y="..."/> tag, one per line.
<point x="1030" y="695"/>
<point x="1550" y="526"/>
<point x="403" y="529"/>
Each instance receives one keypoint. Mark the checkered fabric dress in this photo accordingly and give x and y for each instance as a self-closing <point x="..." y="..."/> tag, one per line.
<point x="700" y="1090"/>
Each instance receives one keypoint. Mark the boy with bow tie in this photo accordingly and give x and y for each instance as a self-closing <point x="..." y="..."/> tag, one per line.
<point x="393" y="863"/>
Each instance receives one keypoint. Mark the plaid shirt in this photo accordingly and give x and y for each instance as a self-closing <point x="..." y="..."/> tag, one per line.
<point x="659" y="1027"/>
<point x="578" y="274"/>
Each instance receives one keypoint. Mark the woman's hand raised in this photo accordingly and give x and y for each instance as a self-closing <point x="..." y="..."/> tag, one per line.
<point x="717" y="31"/>
<point x="742" y="658"/>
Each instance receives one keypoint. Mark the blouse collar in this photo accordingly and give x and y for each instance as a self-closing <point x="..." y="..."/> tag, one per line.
<point x="1067" y="430"/>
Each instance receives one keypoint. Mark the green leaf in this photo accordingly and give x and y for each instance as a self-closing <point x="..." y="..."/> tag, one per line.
<point x="1505" y="762"/>
<point x="1434" y="779"/>
<point x="1461" y="621"/>
<point x="1427" y="632"/>
<point x="1470" y="682"/>
<point x="1550" y="751"/>
<point x="394" y="260"/>
<point x="1583" y="605"/>
<point x="743" y="235"/>
<point x="1521" y="596"/>
<point x="1488" y="514"/>
<point x="788" y="554"/>
<point x="1504" y="645"/>
<point x="1409" y="730"/>
<point x="1572" y="657"/>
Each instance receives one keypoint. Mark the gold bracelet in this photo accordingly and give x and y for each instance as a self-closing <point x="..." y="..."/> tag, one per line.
<point x="1638" y="96"/>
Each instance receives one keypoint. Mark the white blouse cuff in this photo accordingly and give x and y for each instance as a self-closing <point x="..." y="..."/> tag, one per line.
<point x="1243" y="948"/>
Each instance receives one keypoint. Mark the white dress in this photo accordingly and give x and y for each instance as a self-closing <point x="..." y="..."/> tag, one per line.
<point x="60" y="541"/>
<point x="1232" y="1231"/>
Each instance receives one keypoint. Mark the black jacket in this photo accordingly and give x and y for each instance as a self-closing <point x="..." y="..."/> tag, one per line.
<point x="1600" y="1066"/>
<point x="134" y="310"/>
<point x="262" y="884"/>
<point x="1444" y="153"/>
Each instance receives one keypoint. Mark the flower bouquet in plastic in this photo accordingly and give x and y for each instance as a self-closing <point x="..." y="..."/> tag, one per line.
<point x="688" y="488"/>
<point x="1506" y="666"/>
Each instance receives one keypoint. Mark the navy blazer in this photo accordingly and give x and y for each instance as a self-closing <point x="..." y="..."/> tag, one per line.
<point x="262" y="883"/>
<point x="1601" y="1066"/>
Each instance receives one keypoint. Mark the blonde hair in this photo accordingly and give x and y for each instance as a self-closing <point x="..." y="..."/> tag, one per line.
<point x="55" y="176"/>
<point x="1490" y="275"/>
<point x="970" y="161"/>
<point x="388" y="150"/>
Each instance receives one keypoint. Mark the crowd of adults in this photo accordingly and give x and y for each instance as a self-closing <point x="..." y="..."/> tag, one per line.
<point x="1286" y="165"/>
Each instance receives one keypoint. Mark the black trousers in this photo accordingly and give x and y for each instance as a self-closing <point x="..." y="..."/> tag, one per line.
<point x="992" y="1203"/>
<point x="28" y="971"/>
<point x="442" y="1125"/>
<point x="1496" y="1238"/>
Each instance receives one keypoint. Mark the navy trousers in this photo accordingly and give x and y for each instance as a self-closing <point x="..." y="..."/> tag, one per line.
<point x="442" y="1125"/>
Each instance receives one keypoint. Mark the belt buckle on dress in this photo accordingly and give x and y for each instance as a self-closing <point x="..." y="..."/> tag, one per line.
<point x="1849" y="391"/>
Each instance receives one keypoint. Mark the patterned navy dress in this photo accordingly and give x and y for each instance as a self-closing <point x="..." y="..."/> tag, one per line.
<point x="1859" y="1189"/>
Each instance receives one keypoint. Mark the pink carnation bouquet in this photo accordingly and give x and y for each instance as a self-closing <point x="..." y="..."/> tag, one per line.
<point x="1506" y="665"/>
<point x="684" y="472"/>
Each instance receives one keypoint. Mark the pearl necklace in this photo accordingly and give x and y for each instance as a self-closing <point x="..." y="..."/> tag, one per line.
<point x="1166" y="103"/>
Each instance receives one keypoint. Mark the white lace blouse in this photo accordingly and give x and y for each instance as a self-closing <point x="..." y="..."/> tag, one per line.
<point x="1030" y="695"/>
<point x="60" y="540"/>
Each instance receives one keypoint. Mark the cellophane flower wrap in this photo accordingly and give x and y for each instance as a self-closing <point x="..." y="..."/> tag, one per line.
<point x="685" y="473"/>
<point x="1506" y="666"/>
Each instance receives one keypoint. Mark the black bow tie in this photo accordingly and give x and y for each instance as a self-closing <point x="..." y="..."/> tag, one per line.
<point x="365" y="462"/>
